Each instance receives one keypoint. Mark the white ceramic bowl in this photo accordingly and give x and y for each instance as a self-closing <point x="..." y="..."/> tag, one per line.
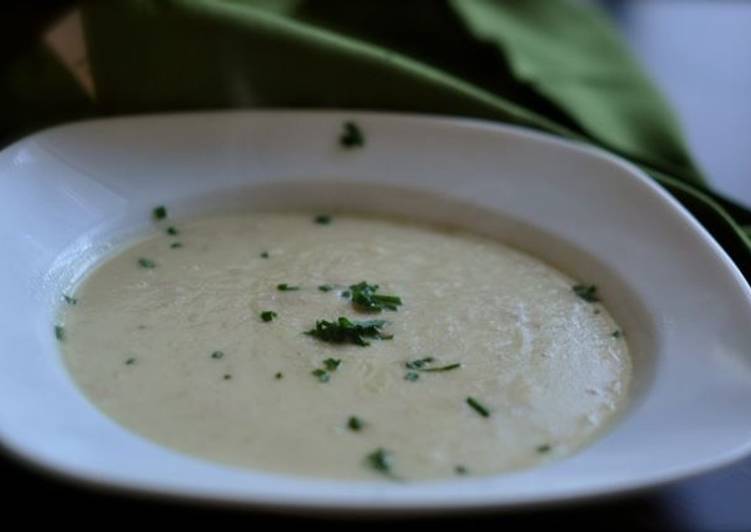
<point x="70" y="193"/>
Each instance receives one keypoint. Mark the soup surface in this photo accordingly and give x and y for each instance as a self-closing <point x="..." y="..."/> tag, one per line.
<point x="222" y="338"/>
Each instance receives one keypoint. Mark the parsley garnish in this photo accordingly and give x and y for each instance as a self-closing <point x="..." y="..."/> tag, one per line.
<point x="329" y="366"/>
<point x="587" y="292"/>
<point x="268" y="315"/>
<point x="70" y="300"/>
<point x="172" y="230"/>
<point x="417" y="364"/>
<point x="381" y="460"/>
<point x="364" y="297"/>
<point x="326" y="287"/>
<point x="545" y="448"/>
<point x="160" y="212"/>
<point x="321" y="374"/>
<point x="411" y="376"/>
<point x="146" y="263"/>
<point x="217" y="354"/>
<point x="355" y="424"/>
<point x="345" y="331"/>
<point x="227" y="376"/>
<point x="351" y="136"/>
<point x="264" y="254"/>
<point x="284" y="287"/>
<point x="332" y="364"/>
<point x="443" y="368"/>
<point x="616" y="334"/>
<point x="322" y="219"/>
<point x="59" y="333"/>
<point x="130" y="361"/>
<point x="477" y="407"/>
<point x="175" y="245"/>
<point x="422" y="363"/>
<point x="279" y="375"/>
<point x="460" y="470"/>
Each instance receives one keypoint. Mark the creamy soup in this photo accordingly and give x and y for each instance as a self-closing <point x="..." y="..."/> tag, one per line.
<point x="344" y="347"/>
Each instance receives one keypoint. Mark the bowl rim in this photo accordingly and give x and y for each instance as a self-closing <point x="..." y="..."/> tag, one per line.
<point x="311" y="504"/>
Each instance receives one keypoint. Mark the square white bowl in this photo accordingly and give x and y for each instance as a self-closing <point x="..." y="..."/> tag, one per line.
<point x="69" y="194"/>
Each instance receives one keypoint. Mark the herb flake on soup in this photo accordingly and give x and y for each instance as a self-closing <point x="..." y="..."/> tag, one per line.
<point x="346" y="347"/>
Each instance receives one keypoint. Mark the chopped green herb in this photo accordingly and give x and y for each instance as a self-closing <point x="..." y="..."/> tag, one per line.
<point x="351" y="136"/>
<point x="355" y="424"/>
<point x="587" y="292"/>
<point x="345" y="331"/>
<point x="477" y="407"/>
<point x="364" y="297"/>
<point x="160" y="212"/>
<point x="172" y="230"/>
<point x="616" y="334"/>
<point x="130" y="361"/>
<point x="70" y="300"/>
<point x="264" y="254"/>
<point x="217" y="354"/>
<point x="380" y="460"/>
<point x="175" y="245"/>
<point x="322" y="219"/>
<point x="411" y="376"/>
<point x="345" y="294"/>
<point x="321" y="374"/>
<point x="419" y="363"/>
<point x="284" y="287"/>
<point x="268" y="315"/>
<point x="326" y="287"/>
<point x="545" y="448"/>
<point x="422" y="363"/>
<point x="279" y="375"/>
<point x="331" y="364"/>
<point x="146" y="263"/>
<point x="227" y="376"/>
<point x="443" y="368"/>
<point x="460" y="470"/>
<point x="59" y="333"/>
